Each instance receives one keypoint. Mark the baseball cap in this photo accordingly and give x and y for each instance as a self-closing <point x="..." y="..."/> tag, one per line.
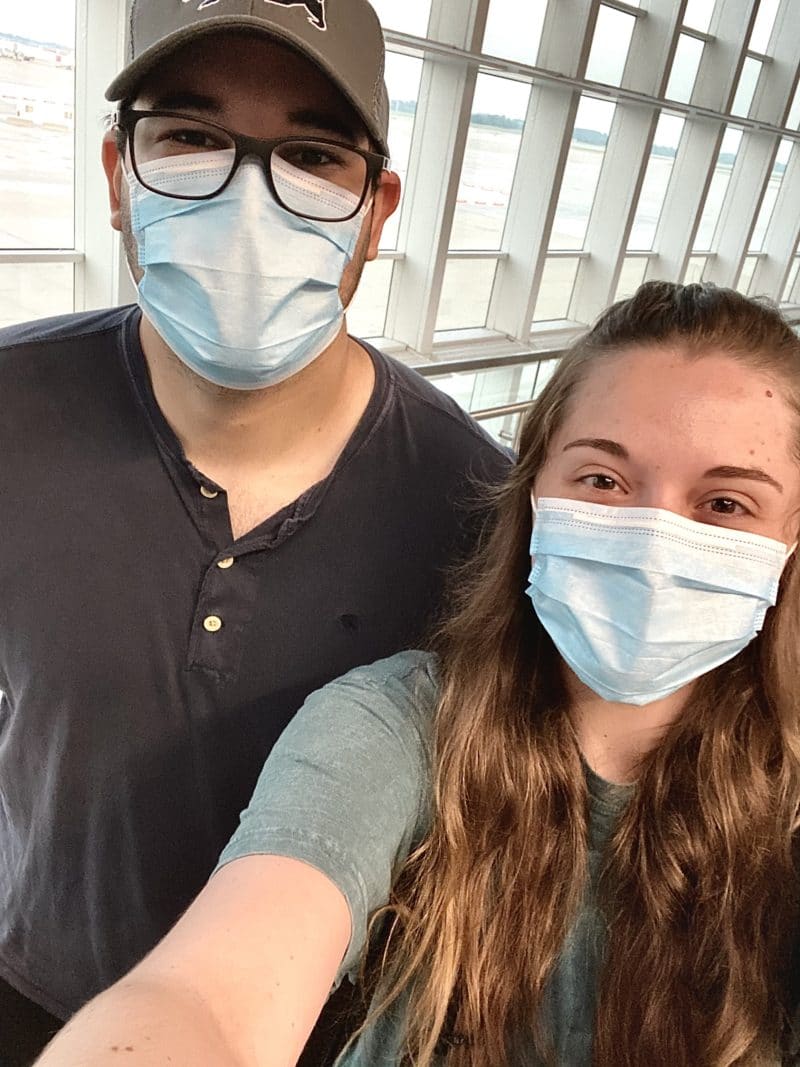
<point x="342" y="37"/>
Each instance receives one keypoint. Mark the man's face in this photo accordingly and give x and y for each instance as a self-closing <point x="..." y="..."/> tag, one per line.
<point x="259" y="88"/>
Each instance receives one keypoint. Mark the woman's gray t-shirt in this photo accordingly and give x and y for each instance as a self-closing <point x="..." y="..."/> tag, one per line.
<point x="347" y="790"/>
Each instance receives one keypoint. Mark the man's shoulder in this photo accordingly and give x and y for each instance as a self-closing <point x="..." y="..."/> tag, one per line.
<point x="430" y="412"/>
<point x="62" y="331"/>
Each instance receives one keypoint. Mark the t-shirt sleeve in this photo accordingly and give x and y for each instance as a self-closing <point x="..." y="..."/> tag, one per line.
<point x="346" y="787"/>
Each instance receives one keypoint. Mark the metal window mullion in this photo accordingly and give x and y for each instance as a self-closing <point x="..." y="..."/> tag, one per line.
<point x="99" y="55"/>
<point x="744" y="194"/>
<point x="723" y="58"/>
<point x="686" y="193"/>
<point x="783" y="233"/>
<point x="565" y="45"/>
<point x="439" y="142"/>
<point x="776" y="84"/>
<point x="615" y="202"/>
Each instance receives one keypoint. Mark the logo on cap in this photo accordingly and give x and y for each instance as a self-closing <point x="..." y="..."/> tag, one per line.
<point x="315" y="9"/>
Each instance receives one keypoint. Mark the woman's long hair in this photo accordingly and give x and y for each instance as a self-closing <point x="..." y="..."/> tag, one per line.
<point x="699" y="883"/>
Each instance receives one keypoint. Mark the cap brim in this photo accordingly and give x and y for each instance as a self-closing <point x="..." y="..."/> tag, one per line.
<point x="127" y="82"/>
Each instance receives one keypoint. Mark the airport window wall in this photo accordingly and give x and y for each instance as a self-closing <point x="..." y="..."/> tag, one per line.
<point x="554" y="155"/>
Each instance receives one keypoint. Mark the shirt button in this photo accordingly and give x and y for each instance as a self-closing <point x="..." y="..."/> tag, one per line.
<point x="209" y="494"/>
<point x="223" y="564"/>
<point x="212" y="623"/>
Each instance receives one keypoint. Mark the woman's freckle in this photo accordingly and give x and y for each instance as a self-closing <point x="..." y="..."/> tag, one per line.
<point x="769" y="392"/>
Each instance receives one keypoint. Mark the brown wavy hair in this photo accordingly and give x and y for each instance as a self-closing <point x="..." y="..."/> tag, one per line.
<point x="699" y="886"/>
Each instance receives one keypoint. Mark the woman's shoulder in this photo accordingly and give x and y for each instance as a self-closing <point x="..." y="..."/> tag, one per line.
<point x="403" y="687"/>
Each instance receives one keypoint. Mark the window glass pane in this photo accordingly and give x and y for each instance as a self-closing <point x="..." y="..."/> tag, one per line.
<point x="746" y="274"/>
<point x="697" y="15"/>
<point x="762" y="30"/>
<point x="582" y="173"/>
<point x="555" y="288"/>
<point x="514" y="29"/>
<point x="403" y="74"/>
<point x="719" y="186"/>
<point x="502" y="429"/>
<point x="751" y="69"/>
<point x="771" y="195"/>
<point x="366" y="315"/>
<point x="790" y="293"/>
<point x="37" y="100"/>
<point x="612" y="39"/>
<point x="631" y="276"/>
<point x="409" y="17"/>
<point x="490" y="159"/>
<point x="684" y="69"/>
<point x="34" y="290"/>
<point x="546" y="371"/>
<point x="694" y="270"/>
<point x="466" y="292"/>
<point x="654" y="188"/>
<point x="458" y="386"/>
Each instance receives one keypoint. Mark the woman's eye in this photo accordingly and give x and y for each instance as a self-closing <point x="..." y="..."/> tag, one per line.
<point x="599" y="481"/>
<point x="723" y="505"/>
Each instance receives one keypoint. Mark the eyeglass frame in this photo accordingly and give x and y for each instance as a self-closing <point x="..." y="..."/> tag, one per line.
<point x="125" y="121"/>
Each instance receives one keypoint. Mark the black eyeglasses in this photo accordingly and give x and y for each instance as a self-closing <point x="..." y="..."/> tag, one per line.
<point x="342" y="173"/>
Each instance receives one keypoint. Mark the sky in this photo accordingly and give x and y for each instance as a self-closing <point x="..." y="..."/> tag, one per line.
<point x="42" y="20"/>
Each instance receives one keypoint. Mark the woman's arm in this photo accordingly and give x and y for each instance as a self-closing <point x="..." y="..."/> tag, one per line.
<point x="239" y="981"/>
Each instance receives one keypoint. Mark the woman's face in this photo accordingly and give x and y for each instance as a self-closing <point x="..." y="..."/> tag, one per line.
<point x="708" y="438"/>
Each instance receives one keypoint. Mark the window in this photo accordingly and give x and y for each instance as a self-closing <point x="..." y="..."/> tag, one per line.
<point x="490" y="159"/>
<point x="763" y="26"/>
<point x="656" y="180"/>
<point x="555" y="288"/>
<point x="718" y="188"/>
<point x="409" y="17"/>
<point x="694" y="270"/>
<point x="366" y="316"/>
<point x="514" y="29"/>
<point x="403" y="75"/>
<point x="37" y="156"/>
<point x="631" y="276"/>
<point x="612" y="39"/>
<point x="466" y="292"/>
<point x="745" y="91"/>
<point x="771" y="195"/>
<point x="746" y="274"/>
<point x="684" y="69"/>
<point x="582" y="172"/>
<point x="697" y="15"/>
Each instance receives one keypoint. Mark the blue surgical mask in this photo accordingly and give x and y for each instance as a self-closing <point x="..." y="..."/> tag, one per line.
<point x="640" y="601"/>
<point x="243" y="292"/>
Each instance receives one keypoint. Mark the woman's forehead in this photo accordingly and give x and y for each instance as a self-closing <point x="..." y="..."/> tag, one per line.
<point x="650" y="396"/>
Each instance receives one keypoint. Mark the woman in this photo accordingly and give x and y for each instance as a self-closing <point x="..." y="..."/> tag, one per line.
<point x="586" y="803"/>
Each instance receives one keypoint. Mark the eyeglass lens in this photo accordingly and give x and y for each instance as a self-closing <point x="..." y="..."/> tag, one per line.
<point x="310" y="177"/>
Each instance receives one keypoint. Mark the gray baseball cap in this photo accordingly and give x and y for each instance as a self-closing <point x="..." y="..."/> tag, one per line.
<point x="342" y="37"/>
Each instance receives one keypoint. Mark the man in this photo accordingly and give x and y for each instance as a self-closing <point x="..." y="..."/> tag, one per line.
<point x="212" y="503"/>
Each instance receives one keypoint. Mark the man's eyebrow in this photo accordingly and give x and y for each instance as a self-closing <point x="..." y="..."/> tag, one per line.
<point x="753" y="474"/>
<point x="327" y="121"/>
<point x="602" y="443"/>
<point x="186" y="100"/>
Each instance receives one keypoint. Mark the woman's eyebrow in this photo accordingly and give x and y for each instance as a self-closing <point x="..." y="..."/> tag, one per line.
<point x="754" y="474"/>
<point x="612" y="447"/>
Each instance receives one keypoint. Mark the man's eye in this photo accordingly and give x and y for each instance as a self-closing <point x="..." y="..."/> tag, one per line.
<point x="189" y="138"/>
